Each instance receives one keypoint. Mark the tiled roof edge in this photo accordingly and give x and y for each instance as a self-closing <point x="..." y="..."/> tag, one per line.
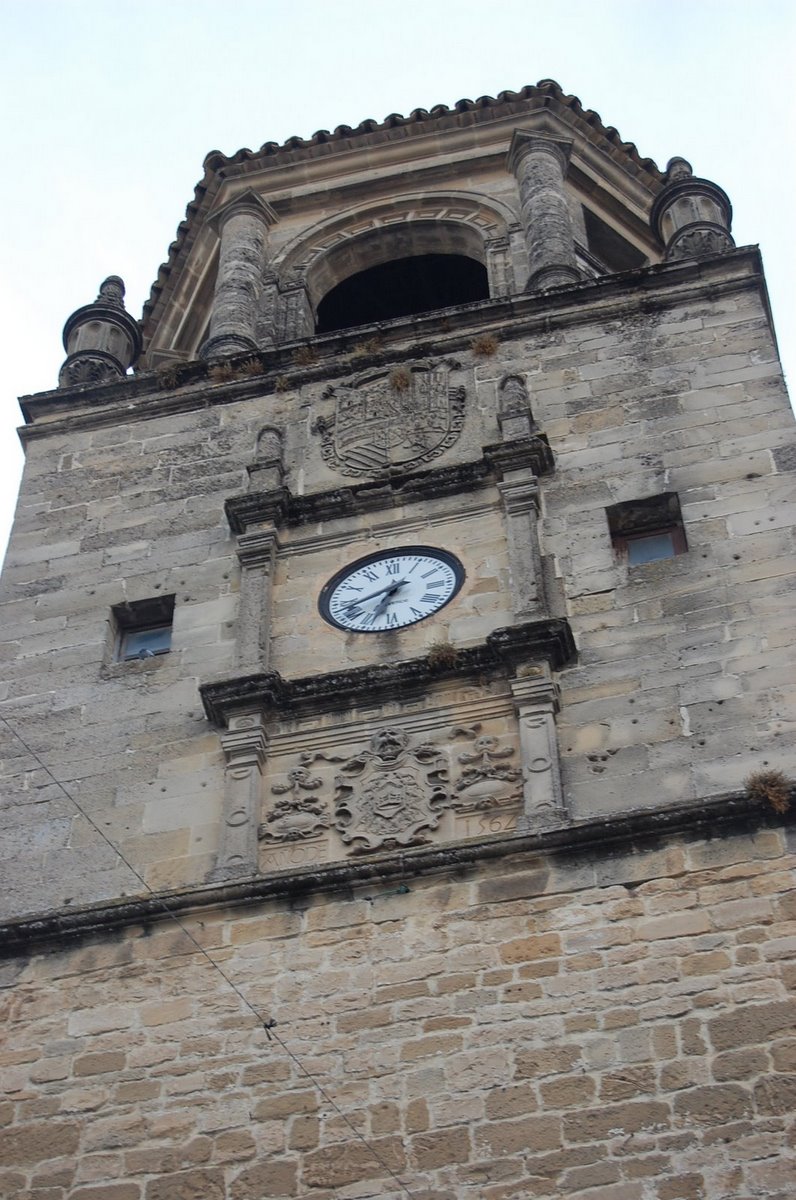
<point x="216" y="162"/>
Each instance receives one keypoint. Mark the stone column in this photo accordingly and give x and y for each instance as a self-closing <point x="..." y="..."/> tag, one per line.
<point x="242" y="226"/>
<point x="539" y="164"/>
<point x="691" y="216"/>
<point x="245" y="746"/>
<point x="257" y="555"/>
<point x="536" y="703"/>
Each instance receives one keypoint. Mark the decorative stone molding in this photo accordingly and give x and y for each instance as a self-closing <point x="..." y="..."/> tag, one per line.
<point x="536" y="702"/>
<point x="245" y="746"/>
<point x="711" y="817"/>
<point x="242" y="226"/>
<point x="279" y="506"/>
<point x="547" y="641"/>
<point x="691" y="216"/>
<point x="539" y="164"/>
<point x="101" y="339"/>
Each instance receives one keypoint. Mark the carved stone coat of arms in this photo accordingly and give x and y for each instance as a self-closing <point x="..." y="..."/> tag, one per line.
<point x="391" y="420"/>
<point x="390" y="794"/>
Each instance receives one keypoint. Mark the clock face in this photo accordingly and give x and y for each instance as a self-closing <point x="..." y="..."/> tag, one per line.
<point x="391" y="589"/>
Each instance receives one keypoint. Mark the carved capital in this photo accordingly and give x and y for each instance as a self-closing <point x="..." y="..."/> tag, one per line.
<point x="525" y="142"/>
<point x="245" y="743"/>
<point x="531" y="455"/>
<point x="258" y="548"/>
<point x="535" y="690"/>
<point x="248" y="204"/>
<point x="520" y="496"/>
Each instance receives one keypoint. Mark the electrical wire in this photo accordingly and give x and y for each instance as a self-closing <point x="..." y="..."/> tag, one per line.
<point x="267" y="1025"/>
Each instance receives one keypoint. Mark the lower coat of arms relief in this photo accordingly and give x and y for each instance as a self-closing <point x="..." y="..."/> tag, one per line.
<point x="389" y="421"/>
<point x="392" y="792"/>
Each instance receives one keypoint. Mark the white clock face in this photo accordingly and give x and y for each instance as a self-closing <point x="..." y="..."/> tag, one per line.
<point x="391" y="589"/>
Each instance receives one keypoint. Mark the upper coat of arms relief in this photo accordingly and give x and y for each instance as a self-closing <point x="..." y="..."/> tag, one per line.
<point x="391" y="420"/>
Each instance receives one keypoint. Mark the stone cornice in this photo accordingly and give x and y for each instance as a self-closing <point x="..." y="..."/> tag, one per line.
<point x="281" y="507"/>
<point x="144" y="396"/>
<point x="713" y="817"/>
<point x="505" y="650"/>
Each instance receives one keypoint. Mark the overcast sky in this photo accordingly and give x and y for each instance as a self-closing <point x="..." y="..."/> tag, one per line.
<point x="111" y="105"/>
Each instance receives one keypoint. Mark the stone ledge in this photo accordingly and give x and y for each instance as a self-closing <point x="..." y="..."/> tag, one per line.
<point x="143" y="396"/>
<point x="710" y="818"/>
<point x="281" y="507"/>
<point x="549" y="641"/>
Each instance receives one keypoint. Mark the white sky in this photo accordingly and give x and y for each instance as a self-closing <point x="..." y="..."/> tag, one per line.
<point x="111" y="105"/>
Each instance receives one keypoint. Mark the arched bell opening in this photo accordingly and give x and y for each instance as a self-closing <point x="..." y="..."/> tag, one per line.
<point x="402" y="287"/>
<point x="398" y="270"/>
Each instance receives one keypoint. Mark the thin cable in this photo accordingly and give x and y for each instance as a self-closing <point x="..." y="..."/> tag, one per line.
<point x="267" y="1025"/>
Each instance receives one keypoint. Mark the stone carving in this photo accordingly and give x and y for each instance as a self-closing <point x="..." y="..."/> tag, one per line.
<point x="487" y="780"/>
<point x="111" y="292"/>
<point x="390" y="794"/>
<point x="89" y="369"/>
<point x="298" y="815"/>
<point x="389" y="421"/>
<point x="513" y="396"/>
<point x="700" y="243"/>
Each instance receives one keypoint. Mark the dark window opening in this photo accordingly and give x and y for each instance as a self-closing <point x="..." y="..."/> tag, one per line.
<point x="143" y="628"/>
<point x="610" y="247"/>
<point x="644" y="531"/>
<point x="402" y="287"/>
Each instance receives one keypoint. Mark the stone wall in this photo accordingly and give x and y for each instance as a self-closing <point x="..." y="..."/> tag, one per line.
<point x="666" y="381"/>
<point x="607" y="1024"/>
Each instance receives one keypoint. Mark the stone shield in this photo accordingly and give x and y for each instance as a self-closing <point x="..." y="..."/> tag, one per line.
<point x="392" y="420"/>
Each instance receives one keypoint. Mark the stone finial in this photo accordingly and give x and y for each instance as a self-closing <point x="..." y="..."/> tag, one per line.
<point x="677" y="169"/>
<point x="691" y="216"/>
<point x="101" y="339"/>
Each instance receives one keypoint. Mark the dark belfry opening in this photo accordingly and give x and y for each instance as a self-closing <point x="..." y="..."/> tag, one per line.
<point x="402" y="287"/>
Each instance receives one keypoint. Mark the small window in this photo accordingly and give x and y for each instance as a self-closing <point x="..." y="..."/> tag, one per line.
<point x="143" y="628"/>
<point x="644" y="531"/>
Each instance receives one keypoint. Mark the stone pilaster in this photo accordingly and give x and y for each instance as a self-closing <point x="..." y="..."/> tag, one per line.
<point x="245" y="746"/>
<point x="539" y="164"/>
<point x="296" y="316"/>
<point x="691" y="216"/>
<point x="242" y="226"/>
<point x="257" y="555"/>
<point x="536" y="703"/>
<point x="521" y="501"/>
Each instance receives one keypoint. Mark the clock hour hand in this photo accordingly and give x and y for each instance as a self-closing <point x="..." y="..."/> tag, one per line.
<point x="391" y="587"/>
<point x="385" y="601"/>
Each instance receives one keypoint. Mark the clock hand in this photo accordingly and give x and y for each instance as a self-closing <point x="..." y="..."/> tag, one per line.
<point x="391" y="587"/>
<point x="384" y="603"/>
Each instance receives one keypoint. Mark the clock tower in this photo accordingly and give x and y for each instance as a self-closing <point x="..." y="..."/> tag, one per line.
<point x="400" y="607"/>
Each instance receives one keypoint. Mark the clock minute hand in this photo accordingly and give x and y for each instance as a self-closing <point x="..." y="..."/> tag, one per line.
<point x="362" y="599"/>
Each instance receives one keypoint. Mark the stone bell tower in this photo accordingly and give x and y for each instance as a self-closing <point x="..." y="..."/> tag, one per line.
<point x="401" y="608"/>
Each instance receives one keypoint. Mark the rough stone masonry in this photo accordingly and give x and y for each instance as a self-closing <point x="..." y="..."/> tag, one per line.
<point x="513" y="874"/>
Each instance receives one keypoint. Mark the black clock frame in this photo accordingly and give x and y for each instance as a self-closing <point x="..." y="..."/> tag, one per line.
<point x="329" y="587"/>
